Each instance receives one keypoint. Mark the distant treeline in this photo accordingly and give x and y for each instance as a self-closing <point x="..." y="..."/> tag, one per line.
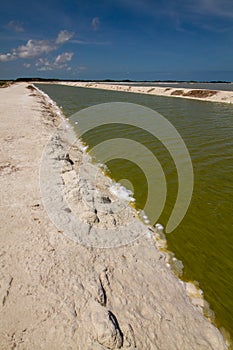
<point x="117" y="81"/>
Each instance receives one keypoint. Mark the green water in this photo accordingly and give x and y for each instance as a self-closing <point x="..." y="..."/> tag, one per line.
<point x="204" y="239"/>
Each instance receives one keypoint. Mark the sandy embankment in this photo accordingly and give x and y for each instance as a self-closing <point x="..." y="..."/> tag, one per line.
<point x="194" y="94"/>
<point x="58" y="294"/>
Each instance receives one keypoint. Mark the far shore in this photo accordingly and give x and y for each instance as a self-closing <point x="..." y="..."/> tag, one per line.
<point x="219" y="96"/>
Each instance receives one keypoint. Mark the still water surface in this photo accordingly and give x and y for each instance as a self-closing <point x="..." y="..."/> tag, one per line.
<point x="204" y="239"/>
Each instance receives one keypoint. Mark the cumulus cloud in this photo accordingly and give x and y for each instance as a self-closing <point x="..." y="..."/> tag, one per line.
<point x="64" y="36"/>
<point x="64" y="57"/>
<point x="16" y="26"/>
<point x="43" y="62"/>
<point x="36" y="48"/>
<point x="27" y="65"/>
<point x="44" y="68"/>
<point x="95" y="23"/>
<point x="5" y="57"/>
<point x="59" y="62"/>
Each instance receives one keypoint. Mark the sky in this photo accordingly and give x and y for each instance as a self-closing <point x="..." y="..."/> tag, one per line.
<point x="117" y="39"/>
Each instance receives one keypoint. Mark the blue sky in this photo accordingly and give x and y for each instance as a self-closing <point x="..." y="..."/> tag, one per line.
<point x="118" y="39"/>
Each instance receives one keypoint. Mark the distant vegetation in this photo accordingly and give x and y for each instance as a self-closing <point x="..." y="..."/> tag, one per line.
<point x="116" y="81"/>
<point x="5" y="83"/>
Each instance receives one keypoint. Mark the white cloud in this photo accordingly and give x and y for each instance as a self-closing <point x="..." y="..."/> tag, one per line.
<point x="36" y="48"/>
<point x="202" y="8"/>
<point x="95" y="23"/>
<point x="5" y="57"/>
<point x="44" y="68"/>
<point x="59" y="62"/>
<point x="27" y="65"/>
<point x="42" y="62"/>
<point x="64" y="36"/>
<point x="82" y="42"/>
<point x="16" y="26"/>
<point x="64" y="57"/>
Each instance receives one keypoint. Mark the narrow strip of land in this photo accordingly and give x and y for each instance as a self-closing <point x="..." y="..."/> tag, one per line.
<point x="56" y="293"/>
<point x="196" y="94"/>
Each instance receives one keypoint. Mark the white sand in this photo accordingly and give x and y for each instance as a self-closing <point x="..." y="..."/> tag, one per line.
<point x="218" y="96"/>
<point x="58" y="294"/>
